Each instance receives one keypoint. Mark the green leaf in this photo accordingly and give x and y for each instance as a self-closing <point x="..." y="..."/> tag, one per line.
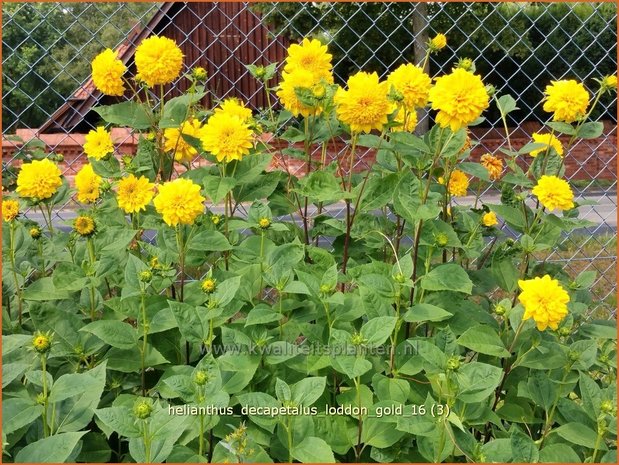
<point x="209" y="241"/>
<point x="477" y="381"/>
<point x="474" y="169"/>
<point x="426" y="312"/>
<point x="558" y="453"/>
<point x="524" y="449"/>
<point x="54" y="449"/>
<point x="113" y="332"/>
<point x="131" y="114"/>
<point x="69" y="277"/>
<point x="18" y="412"/>
<point x="448" y="277"/>
<point x="308" y="390"/>
<point x="564" y="128"/>
<point x="590" y="130"/>
<point x="313" y="450"/>
<point x="217" y="187"/>
<point x="95" y="449"/>
<point x="262" y="314"/>
<point x="44" y="289"/>
<point x="582" y="435"/>
<point x="506" y="104"/>
<point x="483" y="339"/>
<point x="377" y="330"/>
<point x="541" y="389"/>
<point x="321" y="186"/>
<point x="176" y="110"/>
<point x="120" y="420"/>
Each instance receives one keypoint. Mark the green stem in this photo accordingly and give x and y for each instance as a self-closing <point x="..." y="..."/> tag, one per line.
<point x="144" y="340"/>
<point x="40" y="252"/>
<point x="18" y="289"/>
<point x="359" y="419"/>
<point x="46" y="431"/>
<point x="91" y="254"/>
<point x="598" y="442"/>
<point x="550" y="416"/>
<point x="261" y="263"/>
<point x="146" y="438"/>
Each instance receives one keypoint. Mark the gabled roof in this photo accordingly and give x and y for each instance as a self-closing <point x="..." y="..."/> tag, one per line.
<point x="70" y="115"/>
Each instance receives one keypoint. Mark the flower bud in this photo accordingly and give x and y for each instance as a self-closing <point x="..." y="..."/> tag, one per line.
<point x="490" y="90"/>
<point x="209" y="285"/>
<point x="441" y="239"/>
<point x="609" y="83"/>
<point x="59" y="157"/>
<point x="264" y="223"/>
<point x="41" y="342"/>
<point x="357" y="339"/>
<point x="453" y="363"/>
<point x="326" y="289"/>
<point x="215" y="219"/>
<point x="41" y="399"/>
<point x="261" y="72"/>
<point x="142" y="408"/>
<point x="199" y="73"/>
<point x="573" y="356"/>
<point x="466" y="64"/>
<point x="35" y="232"/>
<point x="201" y="378"/>
<point x="399" y="278"/>
<point x="145" y="276"/>
<point x="607" y="406"/>
<point x="500" y="310"/>
<point x="564" y="331"/>
<point x="438" y="42"/>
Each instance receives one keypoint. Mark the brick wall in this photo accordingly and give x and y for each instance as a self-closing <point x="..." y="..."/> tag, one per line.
<point x="590" y="159"/>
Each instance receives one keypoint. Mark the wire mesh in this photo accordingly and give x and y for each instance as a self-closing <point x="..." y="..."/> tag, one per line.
<point x="520" y="47"/>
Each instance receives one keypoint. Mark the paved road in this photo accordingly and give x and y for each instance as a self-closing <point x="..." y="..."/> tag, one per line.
<point x="603" y="210"/>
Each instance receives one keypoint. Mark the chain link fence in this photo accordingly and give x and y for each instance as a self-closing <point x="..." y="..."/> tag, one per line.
<point x="518" y="47"/>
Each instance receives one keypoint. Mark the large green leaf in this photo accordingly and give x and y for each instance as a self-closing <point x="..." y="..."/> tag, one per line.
<point x="579" y="434"/>
<point x="131" y="114"/>
<point x="54" y="449"/>
<point x="313" y="450"/>
<point x="448" y="277"/>
<point x="113" y="332"/>
<point x="18" y="412"/>
<point x="483" y="339"/>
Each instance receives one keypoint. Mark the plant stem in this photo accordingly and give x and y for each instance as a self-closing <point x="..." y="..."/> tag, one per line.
<point x="146" y="438"/>
<point x="18" y="289"/>
<point x="144" y="340"/>
<point x="91" y="254"/>
<point x="46" y="431"/>
<point x="359" y="419"/>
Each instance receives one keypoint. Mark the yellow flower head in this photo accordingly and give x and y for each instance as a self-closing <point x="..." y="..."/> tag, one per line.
<point x="35" y="232"/>
<point x="38" y="180"/>
<point x="544" y="300"/>
<point x="174" y="141"/>
<point x="554" y="192"/>
<point x="458" y="183"/>
<point x="567" y="100"/>
<point x="107" y="71"/>
<point x="235" y="107"/>
<point x="407" y="120"/>
<point x="158" y="60"/>
<point x="310" y="56"/>
<point x="87" y="183"/>
<point x="365" y="105"/>
<point x="227" y="137"/>
<point x="134" y="193"/>
<point x="412" y="83"/>
<point x="179" y="202"/>
<point x="489" y="219"/>
<point x="438" y="42"/>
<point x="299" y="79"/>
<point x="459" y="97"/>
<point x="264" y="223"/>
<point x="84" y="225"/>
<point x="98" y="143"/>
<point x="493" y="164"/>
<point x="10" y="210"/>
<point x="209" y="285"/>
<point x="549" y="140"/>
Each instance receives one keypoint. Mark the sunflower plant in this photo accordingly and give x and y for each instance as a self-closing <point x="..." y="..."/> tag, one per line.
<point x="210" y="303"/>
